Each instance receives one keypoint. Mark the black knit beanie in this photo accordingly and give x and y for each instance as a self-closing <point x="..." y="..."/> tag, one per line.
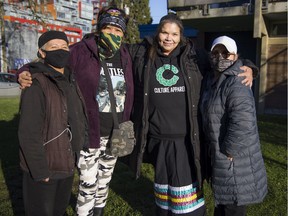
<point x="50" y="35"/>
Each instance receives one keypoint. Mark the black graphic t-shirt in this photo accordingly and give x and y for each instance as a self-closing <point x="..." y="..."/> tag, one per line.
<point x="102" y="95"/>
<point x="167" y="99"/>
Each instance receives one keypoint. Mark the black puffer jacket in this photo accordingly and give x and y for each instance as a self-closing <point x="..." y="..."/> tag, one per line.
<point x="193" y="79"/>
<point x="230" y="126"/>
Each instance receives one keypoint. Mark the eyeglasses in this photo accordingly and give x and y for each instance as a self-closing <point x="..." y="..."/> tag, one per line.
<point x="224" y="53"/>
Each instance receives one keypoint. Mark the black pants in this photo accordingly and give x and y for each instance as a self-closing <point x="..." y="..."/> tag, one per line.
<point x="46" y="198"/>
<point x="230" y="210"/>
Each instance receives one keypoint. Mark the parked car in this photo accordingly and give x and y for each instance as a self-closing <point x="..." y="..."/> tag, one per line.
<point x="8" y="85"/>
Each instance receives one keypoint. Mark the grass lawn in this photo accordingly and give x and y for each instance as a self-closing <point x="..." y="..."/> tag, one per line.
<point x="135" y="197"/>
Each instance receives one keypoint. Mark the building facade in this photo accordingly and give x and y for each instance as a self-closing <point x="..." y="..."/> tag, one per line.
<point x="23" y="21"/>
<point x="260" y="30"/>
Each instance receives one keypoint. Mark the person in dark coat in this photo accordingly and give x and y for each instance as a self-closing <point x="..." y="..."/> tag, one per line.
<point x="230" y="125"/>
<point x="96" y="164"/>
<point x="52" y="129"/>
<point x="167" y="82"/>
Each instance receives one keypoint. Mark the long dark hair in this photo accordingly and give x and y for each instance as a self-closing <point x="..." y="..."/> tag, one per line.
<point x="170" y="18"/>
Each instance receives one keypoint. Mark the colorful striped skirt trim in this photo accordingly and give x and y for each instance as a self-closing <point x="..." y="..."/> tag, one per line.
<point x="178" y="200"/>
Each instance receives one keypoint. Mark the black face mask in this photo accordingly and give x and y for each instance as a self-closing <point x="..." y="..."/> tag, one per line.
<point x="220" y="64"/>
<point x="57" y="58"/>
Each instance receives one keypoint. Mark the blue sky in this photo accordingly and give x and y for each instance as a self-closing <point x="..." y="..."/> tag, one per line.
<point x="158" y="8"/>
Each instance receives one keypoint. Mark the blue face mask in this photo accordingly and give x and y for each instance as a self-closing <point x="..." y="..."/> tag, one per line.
<point x="57" y="58"/>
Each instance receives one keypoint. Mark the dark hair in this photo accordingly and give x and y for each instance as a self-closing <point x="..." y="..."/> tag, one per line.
<point x="170" y="18"/>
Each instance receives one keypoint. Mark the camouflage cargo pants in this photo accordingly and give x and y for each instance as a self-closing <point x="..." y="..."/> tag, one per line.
<point x="95" y="171"/>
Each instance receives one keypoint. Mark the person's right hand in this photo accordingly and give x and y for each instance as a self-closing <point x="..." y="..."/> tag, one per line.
<point x="25" y="79"/>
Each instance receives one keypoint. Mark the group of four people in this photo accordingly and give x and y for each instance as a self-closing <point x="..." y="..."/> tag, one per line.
<point x="171" y="91"/>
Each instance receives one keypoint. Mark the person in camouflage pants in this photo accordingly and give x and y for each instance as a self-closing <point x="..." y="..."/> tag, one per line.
<point x="96" y="163"/>
<point x="96" y="169"/>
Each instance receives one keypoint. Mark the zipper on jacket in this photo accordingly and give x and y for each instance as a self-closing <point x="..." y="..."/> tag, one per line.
<point x="231" y="167"/>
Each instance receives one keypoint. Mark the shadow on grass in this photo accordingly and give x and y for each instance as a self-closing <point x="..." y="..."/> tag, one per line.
<point x="9" y="157"/>
<point x="273" y="161"/>
<point x="138" y="194"/>
<point x="275" y="123"/>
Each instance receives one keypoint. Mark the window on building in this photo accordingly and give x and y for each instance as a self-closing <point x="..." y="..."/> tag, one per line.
<point x="61" y="15"/>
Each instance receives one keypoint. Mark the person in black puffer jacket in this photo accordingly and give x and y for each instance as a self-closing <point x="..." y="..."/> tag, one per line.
<point x="230" y="124"/>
